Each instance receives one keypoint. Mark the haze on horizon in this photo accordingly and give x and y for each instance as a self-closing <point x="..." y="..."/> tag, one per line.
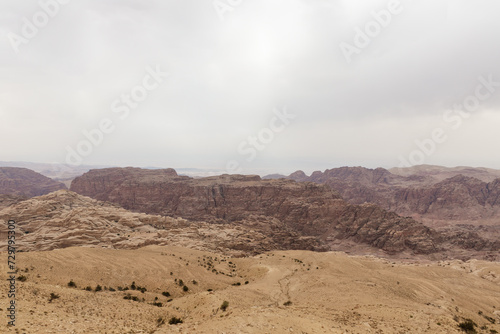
<point x="255" y="85"/>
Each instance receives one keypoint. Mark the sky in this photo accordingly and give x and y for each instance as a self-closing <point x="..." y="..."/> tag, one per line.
<point x="250" y="85"/>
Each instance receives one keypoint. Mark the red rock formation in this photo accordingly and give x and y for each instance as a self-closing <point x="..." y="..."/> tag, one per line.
<point x="65" y="219"/>
<point x="459" y="198"/>
<point x="308" y="208"/>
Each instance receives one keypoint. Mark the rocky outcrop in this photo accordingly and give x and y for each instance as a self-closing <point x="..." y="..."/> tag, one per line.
<point x="8" y="200"/>
<point x="25" y="182"/>
<point x="456" y="198"/>
<point x="309" y="209"/>
<point x="459" y="198"/>
<point x="65" y="219"/>
<point x="458" y="205"/>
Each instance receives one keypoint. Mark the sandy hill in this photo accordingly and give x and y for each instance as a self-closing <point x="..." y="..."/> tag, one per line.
<point x="287" y="292"/>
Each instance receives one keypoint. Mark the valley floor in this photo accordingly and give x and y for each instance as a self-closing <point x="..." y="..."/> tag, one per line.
<point x="276" y="292"/>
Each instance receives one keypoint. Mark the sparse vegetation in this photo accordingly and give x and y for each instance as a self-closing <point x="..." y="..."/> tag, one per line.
<point x="98" y="288"/>
<point x="71" y="284"/>
<point x="287" y="303"/>
<point x="128" y="296"/>
<point x="468" y="326"/>
<point x="490" y="319"/>
<point x="175" y="321"/>
<point x="88" y="288"/>
<point x="185" y="288"/>
<point x="22" y="278"/>
<point x="166" y="293"/>
<point x="53" y="296"/>
<point x="160" y="321"/>
<point x="224" y="306"/>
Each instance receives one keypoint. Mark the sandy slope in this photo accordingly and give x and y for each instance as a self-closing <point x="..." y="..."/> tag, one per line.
<point x="329" y="293"/>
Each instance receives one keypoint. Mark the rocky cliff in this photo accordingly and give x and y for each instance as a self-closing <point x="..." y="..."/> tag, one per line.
<point x="65" y="219"/>
<point x="309" y="209"/>
<point x="460" y="198"/>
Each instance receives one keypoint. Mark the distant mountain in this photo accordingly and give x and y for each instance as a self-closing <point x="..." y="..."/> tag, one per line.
<point x="458" y="197"/>
<point x="440" y="173"/>
<point x="66" y="173"/>
<point x="26" y="183"/>
<point x="274" y="177"/>
<point x="440" y="197"/>
<point x="60" y="172"/>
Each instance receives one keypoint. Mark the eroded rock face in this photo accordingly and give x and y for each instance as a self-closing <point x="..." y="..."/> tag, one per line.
<point x="8" y="200"/>
<point x="64" y="219"/>
<point x="26" y="183"/>
<point x="309" y="209"/>
<point x="458" y="198"/>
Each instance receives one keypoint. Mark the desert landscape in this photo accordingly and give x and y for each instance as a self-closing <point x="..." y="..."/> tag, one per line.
<point x="249" y="167"/>
<point x="130" y="250"/>
<point x="274" y="292"/>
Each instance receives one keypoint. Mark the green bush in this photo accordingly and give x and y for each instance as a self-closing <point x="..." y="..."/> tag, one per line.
<point x="224" y="306"/>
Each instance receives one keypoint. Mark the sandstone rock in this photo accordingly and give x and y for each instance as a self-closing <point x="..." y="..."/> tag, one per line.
<point x="64" y="219"/>
<point x="309" y="209"/>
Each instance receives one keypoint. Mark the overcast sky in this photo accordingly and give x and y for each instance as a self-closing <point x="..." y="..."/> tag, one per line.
<point x="361" y="81"/>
